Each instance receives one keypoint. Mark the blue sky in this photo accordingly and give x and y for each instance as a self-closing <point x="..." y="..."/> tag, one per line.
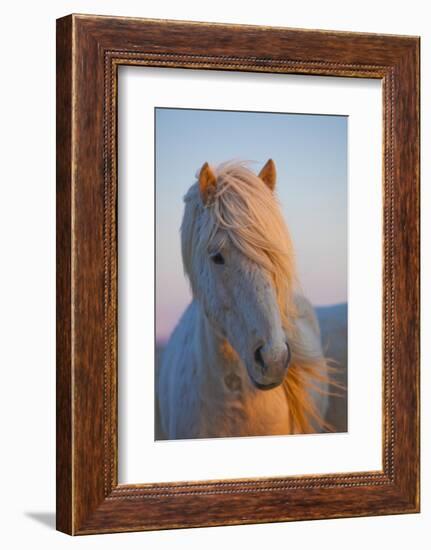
<point x="310" y="152"/>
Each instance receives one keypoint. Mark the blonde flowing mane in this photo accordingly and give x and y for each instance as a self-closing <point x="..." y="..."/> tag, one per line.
<point x="247" y="212"/>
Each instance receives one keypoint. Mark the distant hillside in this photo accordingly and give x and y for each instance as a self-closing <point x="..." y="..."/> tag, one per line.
<point x="333" y="327"/>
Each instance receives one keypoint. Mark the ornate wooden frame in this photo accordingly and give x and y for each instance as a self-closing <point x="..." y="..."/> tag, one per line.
<point x="89" y="51"/>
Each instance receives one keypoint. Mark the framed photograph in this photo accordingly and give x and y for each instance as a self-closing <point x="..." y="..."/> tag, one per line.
<point x="237" y="274"/>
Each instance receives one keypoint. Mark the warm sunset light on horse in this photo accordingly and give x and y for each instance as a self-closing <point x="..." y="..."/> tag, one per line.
<point x="245" y="359"/>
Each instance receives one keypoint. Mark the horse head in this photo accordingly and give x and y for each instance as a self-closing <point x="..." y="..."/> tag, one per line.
<point x="237" y="255"/>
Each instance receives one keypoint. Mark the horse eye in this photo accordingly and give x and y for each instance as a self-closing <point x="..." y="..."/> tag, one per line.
<point x="217" y="258"/>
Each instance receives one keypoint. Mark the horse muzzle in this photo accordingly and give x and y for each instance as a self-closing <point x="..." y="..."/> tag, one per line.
<point x="270" y="365"/>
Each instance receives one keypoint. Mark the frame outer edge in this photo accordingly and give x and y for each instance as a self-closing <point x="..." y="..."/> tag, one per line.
<point x="64" y="367"/>
<point x="407" y="280"/>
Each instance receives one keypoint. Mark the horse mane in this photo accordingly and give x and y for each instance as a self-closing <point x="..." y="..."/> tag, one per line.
<point x="248" y="213"/>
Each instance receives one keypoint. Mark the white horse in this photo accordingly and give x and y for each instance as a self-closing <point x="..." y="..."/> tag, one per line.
<point x="245" y="359"/>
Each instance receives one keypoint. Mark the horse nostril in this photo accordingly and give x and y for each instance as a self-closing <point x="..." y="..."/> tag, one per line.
<point x="259" y="359"/>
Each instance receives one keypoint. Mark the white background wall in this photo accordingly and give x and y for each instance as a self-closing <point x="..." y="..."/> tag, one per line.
<point x="27" y="280"/>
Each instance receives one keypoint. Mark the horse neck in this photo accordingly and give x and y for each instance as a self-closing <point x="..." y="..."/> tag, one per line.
<point x="230" y="404"/>
<point x="209" y="343"/>
<point x="218" y="364"/>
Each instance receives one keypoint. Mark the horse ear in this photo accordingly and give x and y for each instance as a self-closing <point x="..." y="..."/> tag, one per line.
<point x="207" y="183"/>
<point x="268" y="174"/>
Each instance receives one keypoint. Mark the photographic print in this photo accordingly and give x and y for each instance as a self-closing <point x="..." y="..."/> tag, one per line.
<point x="251" y="273"/>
